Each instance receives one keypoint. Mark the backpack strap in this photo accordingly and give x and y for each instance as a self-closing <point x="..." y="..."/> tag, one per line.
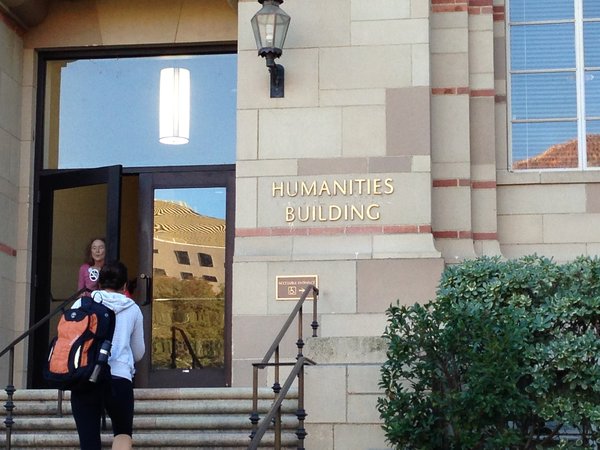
<point x="86" y="300"/>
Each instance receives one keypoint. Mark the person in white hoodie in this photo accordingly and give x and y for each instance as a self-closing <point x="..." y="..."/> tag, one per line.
<point x="114" y="395"/>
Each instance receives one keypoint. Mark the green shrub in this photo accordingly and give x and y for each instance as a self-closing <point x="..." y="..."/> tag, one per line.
<point x="506" y="357"/>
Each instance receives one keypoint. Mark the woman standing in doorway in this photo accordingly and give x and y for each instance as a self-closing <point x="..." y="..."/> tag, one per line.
<point x="90" y="270"/>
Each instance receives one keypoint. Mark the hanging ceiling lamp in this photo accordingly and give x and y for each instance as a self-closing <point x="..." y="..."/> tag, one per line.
<point x="174" y="110"/>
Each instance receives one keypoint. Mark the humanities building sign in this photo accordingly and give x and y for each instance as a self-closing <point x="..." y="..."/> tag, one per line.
<point x="351" y="199"/>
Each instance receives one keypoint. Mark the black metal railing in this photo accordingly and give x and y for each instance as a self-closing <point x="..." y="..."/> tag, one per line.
<point x="10" y="349"/>
<point x="274" y="414"/>
<point x="196" y="364"/>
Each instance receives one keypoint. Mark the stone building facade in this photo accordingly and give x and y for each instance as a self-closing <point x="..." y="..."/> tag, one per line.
<point x="392" y="154"/>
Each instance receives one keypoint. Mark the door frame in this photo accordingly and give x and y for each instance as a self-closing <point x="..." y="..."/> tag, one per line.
<point x="174" y="178"/>
<point x="48" y="184"/>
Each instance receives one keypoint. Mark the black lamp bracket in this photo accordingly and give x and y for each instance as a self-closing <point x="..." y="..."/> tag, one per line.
<point x="277" y="80"/>
<point x="277" y="75"/>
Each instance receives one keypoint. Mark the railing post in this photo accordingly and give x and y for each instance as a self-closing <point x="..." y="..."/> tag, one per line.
<point x="276" y="385"/>
<point x="300" y="341"/>
<point x="301" y="412"/>
<point x="277" y="430"/>
<point x="315" y="324"/>
<point x="254" y="417"/>
<point x="9" y="405"/>
<point x="60" y="403"/>
<point x="276" y="391"/>
<point x="173" y="349"/>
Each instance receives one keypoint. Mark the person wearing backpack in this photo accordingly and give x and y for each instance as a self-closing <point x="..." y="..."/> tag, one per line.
<point x="115" y="394"/>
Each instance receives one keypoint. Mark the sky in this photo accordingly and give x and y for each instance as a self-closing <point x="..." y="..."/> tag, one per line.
<point x="128" y="88"/>
<point x="206" y="201"/>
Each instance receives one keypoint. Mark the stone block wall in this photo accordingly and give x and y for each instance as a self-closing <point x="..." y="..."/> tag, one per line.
<point x="356" y="112"/>
<point x="12" y="243"/>
<point x="347" y="376"/>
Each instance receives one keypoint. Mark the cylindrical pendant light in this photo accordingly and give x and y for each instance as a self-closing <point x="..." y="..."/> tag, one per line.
<point x="174" y="110"/>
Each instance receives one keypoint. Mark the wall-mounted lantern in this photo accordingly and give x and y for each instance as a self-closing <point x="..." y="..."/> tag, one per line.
<point x="270" y="26"/>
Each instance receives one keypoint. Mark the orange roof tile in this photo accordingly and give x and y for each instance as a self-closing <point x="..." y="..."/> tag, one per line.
<point x="563" y="155"/>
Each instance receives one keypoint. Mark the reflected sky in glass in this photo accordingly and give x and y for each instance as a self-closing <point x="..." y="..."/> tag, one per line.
<point x="206" y="201"/>
<point x="109" y="112"/>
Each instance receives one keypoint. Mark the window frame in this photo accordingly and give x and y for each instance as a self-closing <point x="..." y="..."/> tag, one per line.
<point x="580" y="77"/>
<point x="182" y="256"/>
<point x="205" y="258"/>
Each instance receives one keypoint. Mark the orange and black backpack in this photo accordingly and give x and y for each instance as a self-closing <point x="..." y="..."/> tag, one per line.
<point x="78" y="355"/>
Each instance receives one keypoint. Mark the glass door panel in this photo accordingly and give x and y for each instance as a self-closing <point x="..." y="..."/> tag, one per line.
<point x="188" y="294"/>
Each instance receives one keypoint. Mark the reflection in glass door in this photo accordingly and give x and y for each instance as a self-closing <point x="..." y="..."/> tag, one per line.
<point x="188" y="290"/>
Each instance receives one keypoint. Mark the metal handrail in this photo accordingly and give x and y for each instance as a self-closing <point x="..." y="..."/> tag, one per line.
<point x="280" y="393"/>
<point x="196" y="364"/>
<point x="10" y="349"/>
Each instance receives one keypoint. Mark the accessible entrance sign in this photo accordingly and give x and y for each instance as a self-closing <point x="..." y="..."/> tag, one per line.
<point x="291" y="287"/>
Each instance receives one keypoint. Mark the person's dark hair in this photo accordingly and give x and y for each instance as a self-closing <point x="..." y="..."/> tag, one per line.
<point x="88" y="250"/>
<point x="113" y="275"/>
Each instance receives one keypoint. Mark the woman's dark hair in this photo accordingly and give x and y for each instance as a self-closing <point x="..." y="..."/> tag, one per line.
<point x="113" y="275"/>
<point x="88" y="250"/>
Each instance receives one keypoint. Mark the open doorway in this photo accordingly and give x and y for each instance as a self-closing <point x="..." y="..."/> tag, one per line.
<point x="174" y="232"/>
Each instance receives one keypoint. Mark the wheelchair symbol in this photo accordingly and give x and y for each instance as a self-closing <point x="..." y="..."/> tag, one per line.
<point x="292" y="290"/>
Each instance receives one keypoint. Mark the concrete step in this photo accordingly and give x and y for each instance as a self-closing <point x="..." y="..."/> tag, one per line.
<point x="186" y="418"/>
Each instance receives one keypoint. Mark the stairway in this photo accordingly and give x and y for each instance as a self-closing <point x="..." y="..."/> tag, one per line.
<point x="179" y="419"/>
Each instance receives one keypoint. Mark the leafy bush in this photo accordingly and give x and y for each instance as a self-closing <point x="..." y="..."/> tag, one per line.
<point x="506" y="357"/>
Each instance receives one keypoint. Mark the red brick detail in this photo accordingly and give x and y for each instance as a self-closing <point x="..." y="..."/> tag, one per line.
<point x="483" y="93"/>
<point x="448" y="8"/>
<point x="364" y="229"/>
<point x="448" y="2"/>
<point x="452" y="182"/>
<point x="445" y="183"/>
<point x="252" y="232"/>
<point x="282" y="231"/>
<point x="330" y="231"/>
<point x="480" y="10"/>
<point x="402" y="229"/>
<point x="450" y="91"/>
<point x="485" y="236"/>
<point x="499" y="13"/>
<point x="481" y="2"/>
<point x="453" y="234"/>
<point x="11" y="23"/>
<point x="8" y="250"/>
<point x="326" y="231"/>
<point x="445" y="234"/>
<point x="500" y="98"/>
<point x="491" y="184"/>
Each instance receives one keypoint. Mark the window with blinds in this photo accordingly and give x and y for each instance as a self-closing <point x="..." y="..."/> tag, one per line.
<point x="554" y="84"/>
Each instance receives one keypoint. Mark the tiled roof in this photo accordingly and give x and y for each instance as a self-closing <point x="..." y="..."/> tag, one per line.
<point x="563" y="155"/>
<point x="179" y="223"/>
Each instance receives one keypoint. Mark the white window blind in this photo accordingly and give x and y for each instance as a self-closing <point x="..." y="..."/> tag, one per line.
<point x="554" y="84"/>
